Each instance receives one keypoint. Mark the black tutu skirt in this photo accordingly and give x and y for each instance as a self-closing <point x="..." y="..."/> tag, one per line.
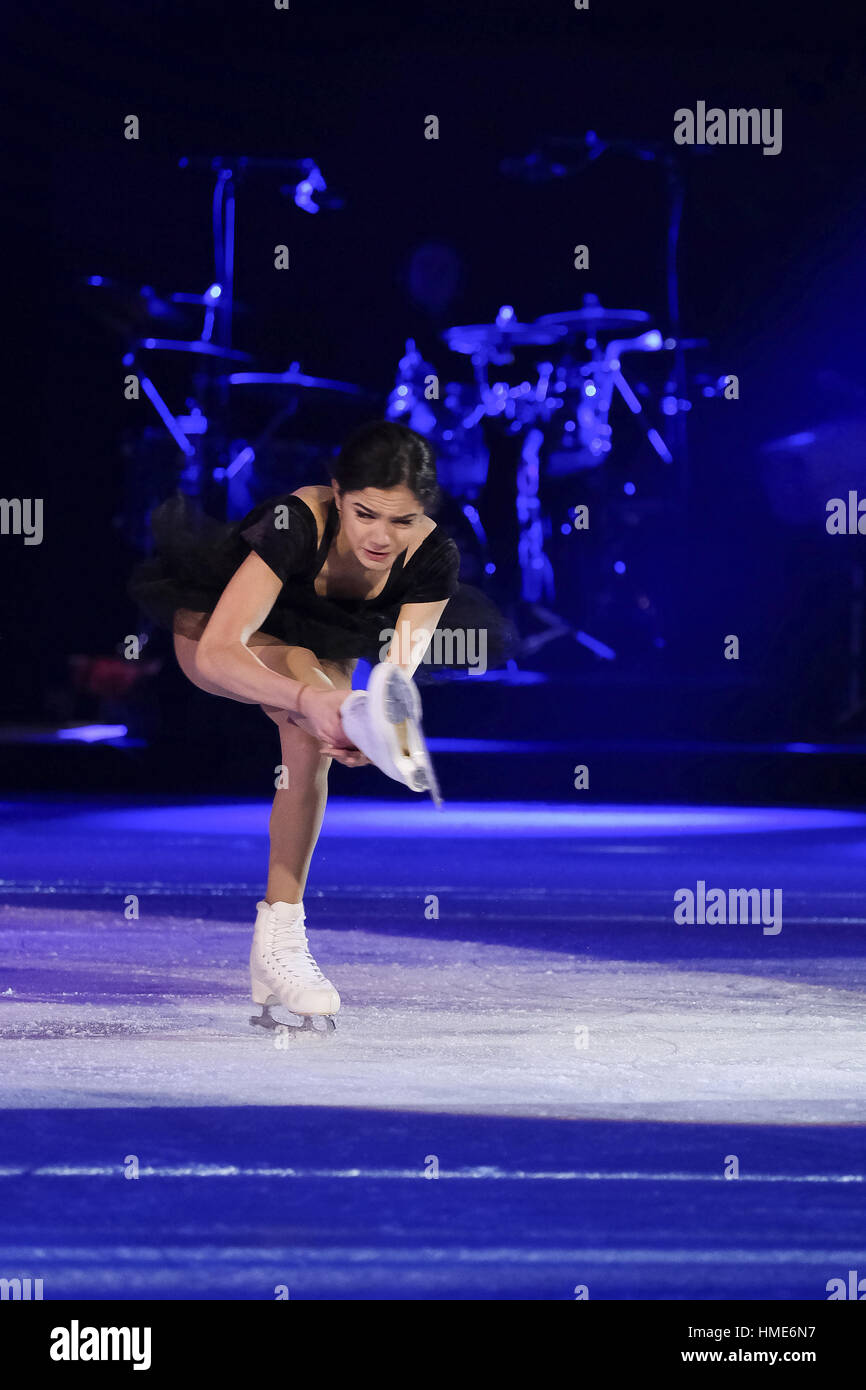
<point x="194" y="556"/>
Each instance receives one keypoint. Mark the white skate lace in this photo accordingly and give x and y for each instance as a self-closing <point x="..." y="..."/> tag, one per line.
<point x="288" y="941"/>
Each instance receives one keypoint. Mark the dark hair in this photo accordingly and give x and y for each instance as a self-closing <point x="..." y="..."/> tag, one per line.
<point x="384" y="454"/>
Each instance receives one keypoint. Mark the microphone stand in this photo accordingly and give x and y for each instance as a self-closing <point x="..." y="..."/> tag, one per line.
<point x="541" y="166"/>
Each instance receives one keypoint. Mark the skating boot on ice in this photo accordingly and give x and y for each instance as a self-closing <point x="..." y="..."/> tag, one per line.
<point x="282" y="971"/>
<point x="384" y="721"/>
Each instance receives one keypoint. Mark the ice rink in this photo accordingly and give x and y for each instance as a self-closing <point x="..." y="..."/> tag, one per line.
<point x="540" y="1081"/>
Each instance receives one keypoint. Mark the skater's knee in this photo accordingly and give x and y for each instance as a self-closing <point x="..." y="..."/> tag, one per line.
<point x="300" y="750"/>
<point x="279" y="716"/>
<point x="294" y="738"/>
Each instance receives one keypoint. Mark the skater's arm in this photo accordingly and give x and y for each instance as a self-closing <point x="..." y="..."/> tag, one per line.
<point x="223" y="654"/>
<point x="413" y="633"/>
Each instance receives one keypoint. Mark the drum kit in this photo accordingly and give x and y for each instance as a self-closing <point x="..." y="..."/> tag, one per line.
<point x="555" y="387"/>
<point x="518" y="412"/>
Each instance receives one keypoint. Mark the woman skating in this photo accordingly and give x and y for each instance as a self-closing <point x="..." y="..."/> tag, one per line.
<point x="275" y="610"/>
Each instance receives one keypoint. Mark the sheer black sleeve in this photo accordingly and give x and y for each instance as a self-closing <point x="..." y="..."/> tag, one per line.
<point x="432" y="575"/>
<point x="283" y="533"/>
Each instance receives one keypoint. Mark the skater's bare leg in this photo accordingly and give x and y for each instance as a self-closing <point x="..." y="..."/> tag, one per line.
<point x="298" y="808"/>
<point x="296" y="815"/>
<point x="299" y="663"/>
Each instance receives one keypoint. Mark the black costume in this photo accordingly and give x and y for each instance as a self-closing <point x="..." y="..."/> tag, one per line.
<point x="195" y="557"/>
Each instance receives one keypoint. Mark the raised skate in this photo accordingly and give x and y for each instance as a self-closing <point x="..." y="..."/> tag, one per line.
<point x="283" y="972"/>
<point x="384" y="722"/>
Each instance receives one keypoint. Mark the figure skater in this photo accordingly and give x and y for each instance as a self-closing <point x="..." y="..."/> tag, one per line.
<point x="275" y="610"/>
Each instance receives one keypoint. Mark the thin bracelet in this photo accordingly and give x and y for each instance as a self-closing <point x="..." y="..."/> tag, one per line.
<point x="298" y="709"/>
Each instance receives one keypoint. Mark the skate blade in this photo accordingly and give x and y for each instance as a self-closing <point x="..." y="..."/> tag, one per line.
<point x="400" y="709"/>
<point x="419" y="775"/>
<point x="433" y="788"/>
<point x="273" y="1025"/>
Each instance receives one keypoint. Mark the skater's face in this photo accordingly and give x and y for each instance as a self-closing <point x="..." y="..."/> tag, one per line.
<point x="378" y="523"/>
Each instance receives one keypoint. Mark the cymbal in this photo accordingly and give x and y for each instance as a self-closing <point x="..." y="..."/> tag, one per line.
<point x="594" y="318"/>
<point x="209" y="301"/>
<point x="133" y="308"/>
<point x="496" y="337"/>
<point x="194" y="345"/>
<point x="295" y="377"/>
<point x="126" y="307"/>
<point x="686" y="344"/>
<point x="833" y="444"/>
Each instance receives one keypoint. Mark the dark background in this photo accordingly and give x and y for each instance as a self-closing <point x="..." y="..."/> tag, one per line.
<point x="773" y="272"/>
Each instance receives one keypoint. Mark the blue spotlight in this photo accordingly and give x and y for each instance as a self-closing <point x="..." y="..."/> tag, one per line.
<point x="91" y="733"/>
<point x="306" y="187"/>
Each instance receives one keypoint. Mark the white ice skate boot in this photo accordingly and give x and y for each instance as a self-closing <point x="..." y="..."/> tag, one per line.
<point x="282" y="971"/>
<point x="384" y="721"/>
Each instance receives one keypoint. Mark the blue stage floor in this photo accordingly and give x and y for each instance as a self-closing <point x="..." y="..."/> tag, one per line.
<point x="521" y="1013"/>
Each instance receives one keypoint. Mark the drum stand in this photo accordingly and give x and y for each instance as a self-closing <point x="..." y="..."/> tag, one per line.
<point x="536" y="568"/>
<point x="537" y="578"/>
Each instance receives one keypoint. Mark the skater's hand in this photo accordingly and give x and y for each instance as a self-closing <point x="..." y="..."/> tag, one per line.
<point x="349" y="757"/>
<point x="319" y="714"/>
